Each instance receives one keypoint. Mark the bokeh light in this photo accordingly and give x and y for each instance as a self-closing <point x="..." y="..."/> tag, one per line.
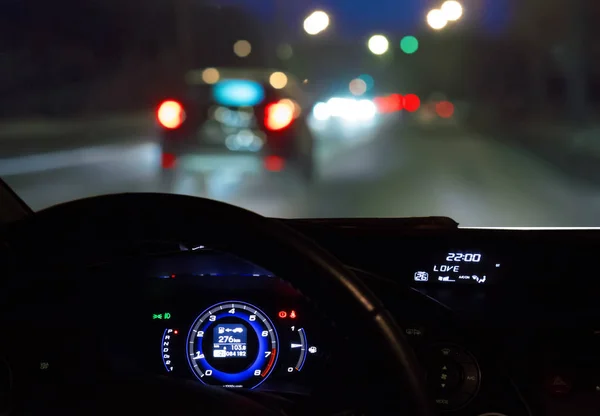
<point x="321" y="111"/>
<point x="357" y="86"/>
<point x="316" y="22"/>
<point x="444" y="109"/>
<point x="436" y="19"/>
<point x="170" y="114"/>
<point x="278" y="80"/>
<point x="388" y="104"/>
<point x="242" y="48"/>
<point x="378" y="44"/>
<point x="368" y="79"/>
<point x="366" y="109"/>
<point x="294" y="105"/>
<point x="409" y="44"/>
<point x="278" y="116"/>
<point x="452" y="10"/>
<point x="285" y="51"/>
<point x="210" y="75"/>
<point x="411" y="102"/>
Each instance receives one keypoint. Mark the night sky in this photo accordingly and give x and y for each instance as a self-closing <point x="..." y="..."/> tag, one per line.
<point x="358" y="18"/>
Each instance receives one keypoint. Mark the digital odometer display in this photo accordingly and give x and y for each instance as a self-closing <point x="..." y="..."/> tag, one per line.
<point x="230" y="341"/>
<point x="459" y="267"/>
<point x="232" y="344"/>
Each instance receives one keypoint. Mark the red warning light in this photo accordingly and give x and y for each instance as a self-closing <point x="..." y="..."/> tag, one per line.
<point x="176" y="332"/>
<point x="293" y="315"/>
<point x="172" y="276"/>
<point x="282" y="314"/>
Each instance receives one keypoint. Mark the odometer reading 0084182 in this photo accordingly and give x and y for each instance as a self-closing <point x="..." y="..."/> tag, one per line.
<point x="232" y="344"/>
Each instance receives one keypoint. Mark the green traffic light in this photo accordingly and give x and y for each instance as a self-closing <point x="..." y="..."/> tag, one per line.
<point x="409" y="44"/>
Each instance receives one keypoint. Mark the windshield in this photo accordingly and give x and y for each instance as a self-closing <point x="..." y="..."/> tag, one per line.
<point x="484" y="111"/>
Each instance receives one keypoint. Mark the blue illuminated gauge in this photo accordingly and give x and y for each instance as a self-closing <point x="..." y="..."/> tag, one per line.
<point x="232" y="344"/>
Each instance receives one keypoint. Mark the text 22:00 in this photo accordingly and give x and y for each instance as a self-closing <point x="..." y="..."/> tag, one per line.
<point x="466" y="257"/>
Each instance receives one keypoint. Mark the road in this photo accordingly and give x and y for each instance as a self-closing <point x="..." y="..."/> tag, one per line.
<point x="388" y="170"/>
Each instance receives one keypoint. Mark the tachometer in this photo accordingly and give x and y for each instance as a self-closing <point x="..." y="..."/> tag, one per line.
<point x="232" y="344"/>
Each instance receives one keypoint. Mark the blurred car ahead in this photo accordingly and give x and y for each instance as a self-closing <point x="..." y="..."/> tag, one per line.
<point x="253" y="119"/>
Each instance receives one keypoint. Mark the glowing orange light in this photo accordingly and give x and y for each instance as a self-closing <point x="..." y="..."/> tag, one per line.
<point x="170" y="114"/>
<point x="279" y="115"/>
<point x="293" y="315"/>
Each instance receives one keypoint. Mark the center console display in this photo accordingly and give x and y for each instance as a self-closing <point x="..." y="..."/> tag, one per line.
<point x="459" y="267"/>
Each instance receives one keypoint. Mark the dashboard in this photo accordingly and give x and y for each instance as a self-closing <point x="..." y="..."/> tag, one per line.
<point x="226" y="322"/>
<point x="479" y="307"/>
<point x="504" y="323"/>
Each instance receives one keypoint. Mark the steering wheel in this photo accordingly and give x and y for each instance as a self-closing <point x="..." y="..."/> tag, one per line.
<point x="130" y="218"/>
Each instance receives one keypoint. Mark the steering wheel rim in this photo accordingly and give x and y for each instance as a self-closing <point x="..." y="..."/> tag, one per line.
<point x="177" y="217"/>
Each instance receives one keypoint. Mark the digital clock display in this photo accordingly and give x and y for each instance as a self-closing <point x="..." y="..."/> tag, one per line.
<point x="466" y="257"/>
<point x="459" y="267"/>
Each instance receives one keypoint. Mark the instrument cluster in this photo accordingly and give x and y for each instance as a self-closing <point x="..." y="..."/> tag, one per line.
<point x="237" y="331"/>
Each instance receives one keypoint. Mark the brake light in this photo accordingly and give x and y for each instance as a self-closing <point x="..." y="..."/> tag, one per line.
<point x="168" y="161"/>
<point x="274" y="163"/>
<point x="170" y="114"/>
<point x="279" y="115"/>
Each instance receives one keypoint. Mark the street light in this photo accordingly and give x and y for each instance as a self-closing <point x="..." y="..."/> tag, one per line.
<point x="316" y="22"/>
<point x="242" y="48"/>
<point x="378" y="44"/>
<point x="436" y="19"/>
<point x="452" y="10"/>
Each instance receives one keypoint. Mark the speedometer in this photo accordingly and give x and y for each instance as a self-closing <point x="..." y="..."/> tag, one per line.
<point x="232" y="344"/>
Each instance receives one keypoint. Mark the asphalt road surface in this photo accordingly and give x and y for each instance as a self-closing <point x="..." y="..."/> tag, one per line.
<point x="386" y="170"/>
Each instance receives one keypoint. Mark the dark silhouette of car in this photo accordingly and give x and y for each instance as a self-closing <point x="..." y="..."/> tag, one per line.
<point x="253" y="118"/>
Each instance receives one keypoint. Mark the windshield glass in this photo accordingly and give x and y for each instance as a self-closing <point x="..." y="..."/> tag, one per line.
<point x="484" y="111"/>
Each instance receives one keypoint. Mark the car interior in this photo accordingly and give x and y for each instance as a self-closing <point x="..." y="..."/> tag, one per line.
<point x="171" y="304"/>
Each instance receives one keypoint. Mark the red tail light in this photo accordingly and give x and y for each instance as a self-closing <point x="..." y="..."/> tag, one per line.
<point x="279" y="115"/>
<point x="168" y="161"/>
<point x="411" y="102"/>
<point x="274" y="163"/>
<point x="170" y="114"/>
<point x="389" y="104"/>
